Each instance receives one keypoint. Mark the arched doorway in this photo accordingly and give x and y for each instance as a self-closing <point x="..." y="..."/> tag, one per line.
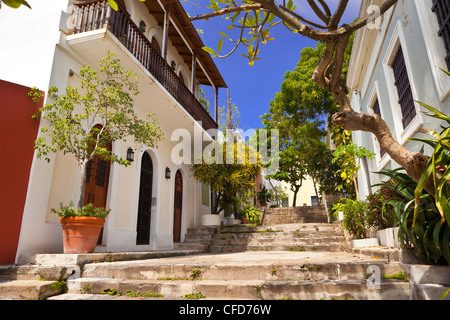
<point x="178" y="206"/>
<point x="97" y="180"/>
<point x="145" y="201"/>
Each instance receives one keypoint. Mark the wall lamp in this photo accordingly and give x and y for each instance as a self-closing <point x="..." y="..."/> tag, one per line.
<point x="130" y="154"/>
<point x="167" y="173"/>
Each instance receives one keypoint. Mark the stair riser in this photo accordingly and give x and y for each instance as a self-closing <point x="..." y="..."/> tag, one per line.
<point x="28" y="290"/>
<point x="276" y="235"/>
<point x="390" y="290"/>
<point x="329" y="271"/>
<point x="358" y="290"/>
<point x="242" y="248"/>
<point x="172" y="289"/>
<point x="276" y="241"/>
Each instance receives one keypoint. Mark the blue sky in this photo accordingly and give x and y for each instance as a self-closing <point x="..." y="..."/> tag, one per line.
<point x="253" y="87"/>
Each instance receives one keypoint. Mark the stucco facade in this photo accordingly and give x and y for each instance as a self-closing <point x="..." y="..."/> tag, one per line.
<point x="42" y="50"/>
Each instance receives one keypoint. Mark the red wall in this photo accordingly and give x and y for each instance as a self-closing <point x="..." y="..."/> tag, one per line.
<point x="17" y="134"/>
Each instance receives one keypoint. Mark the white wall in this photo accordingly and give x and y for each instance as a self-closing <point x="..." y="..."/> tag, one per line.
<point x="415" y="29"/>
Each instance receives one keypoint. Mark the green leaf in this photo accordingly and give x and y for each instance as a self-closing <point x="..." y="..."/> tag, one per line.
<point x="219" y="45"/>
<point x="445" y="293"/>
<point x="113" y="5"/>
<point x="16" y="3"/>
<point x="437" y="114"/>
<point x="209" y="50"/>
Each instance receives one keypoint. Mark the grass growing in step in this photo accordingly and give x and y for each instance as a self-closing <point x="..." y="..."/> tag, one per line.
<point x="397" y="276"/>
<point x="250" y="231"/>
<point x="297" y="249"/>
<point x="197" y="295"/>
<point x="59" y="285"/>
<point x="129" y="293"/>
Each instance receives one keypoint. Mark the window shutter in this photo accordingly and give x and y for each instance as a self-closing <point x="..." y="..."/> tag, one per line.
<point x="442" y="10"/>
<point x="402" y="83"/>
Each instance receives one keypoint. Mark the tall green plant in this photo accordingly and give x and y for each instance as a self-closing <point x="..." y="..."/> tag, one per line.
<point x="428" y="238"/>
<point x="438" y="167"/>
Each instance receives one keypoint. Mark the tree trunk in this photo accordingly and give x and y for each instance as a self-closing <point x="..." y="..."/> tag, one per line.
<point x="83" y="167"/>
<point x="328" y="75"/>
<point x="356" y="188"/>
<point x="413" y="163"/>
<point x="294" y="201"/>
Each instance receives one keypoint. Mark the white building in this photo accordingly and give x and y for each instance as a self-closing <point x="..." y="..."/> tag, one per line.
<point x="46" y="46"/>
<point x="396" y="60"/>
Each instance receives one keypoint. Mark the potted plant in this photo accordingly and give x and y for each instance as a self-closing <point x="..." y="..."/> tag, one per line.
<point x="83" y="124"/>
<point x="81" y="227"/>
<point x="225" y="178"/>
<point x="252" y="215"/>
<point x="264" y="196"/>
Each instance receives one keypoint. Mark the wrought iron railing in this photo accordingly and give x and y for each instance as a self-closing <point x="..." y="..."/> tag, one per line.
<point x="94" y="15"/>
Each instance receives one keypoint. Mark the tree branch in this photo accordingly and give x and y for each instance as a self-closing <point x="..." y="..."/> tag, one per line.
<point x="227" y="10"/>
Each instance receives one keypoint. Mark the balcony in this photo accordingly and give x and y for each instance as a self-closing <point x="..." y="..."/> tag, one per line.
<point x="96" y="15"/>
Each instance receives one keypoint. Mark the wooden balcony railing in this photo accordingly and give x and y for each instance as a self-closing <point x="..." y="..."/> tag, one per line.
<point x="94" y="15"/>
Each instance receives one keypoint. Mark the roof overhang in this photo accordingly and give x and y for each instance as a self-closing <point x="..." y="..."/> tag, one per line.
<point x="185" y="38"/>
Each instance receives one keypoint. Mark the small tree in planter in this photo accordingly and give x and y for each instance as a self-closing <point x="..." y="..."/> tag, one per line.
<point x="227" y="176"/>
<point x="83" y="123"/>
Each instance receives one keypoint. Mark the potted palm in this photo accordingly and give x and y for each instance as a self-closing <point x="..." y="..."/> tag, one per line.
<point x="84" y="124"/>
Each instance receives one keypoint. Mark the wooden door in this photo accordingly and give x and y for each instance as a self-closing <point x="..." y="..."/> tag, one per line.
<point x="97" y="181"/>
<point x="145" y="201"/>
<point x="178" y="207"/>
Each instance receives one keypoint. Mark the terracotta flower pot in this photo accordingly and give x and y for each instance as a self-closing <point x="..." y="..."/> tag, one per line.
<point x="80" y="234"/>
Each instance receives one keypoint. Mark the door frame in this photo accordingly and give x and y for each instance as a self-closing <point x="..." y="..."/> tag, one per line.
<point x="184" y="204"/>
<point x="156" y="193"/>
<point x="139" y="196"/>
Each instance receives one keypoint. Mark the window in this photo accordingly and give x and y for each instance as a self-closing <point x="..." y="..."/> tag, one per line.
<point x="376" y="110"/>
<point x="402" y="83"/>
<point x="442" y="10"/>
<point x="314" y="201"/>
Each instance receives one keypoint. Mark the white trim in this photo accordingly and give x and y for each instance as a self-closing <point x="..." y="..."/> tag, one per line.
<point x="156" y="191"/>
<point x="381" y="162"/>
<point x="434" y="45"/>
<point x="184" y="204"/>
<point x="397" y="40"/>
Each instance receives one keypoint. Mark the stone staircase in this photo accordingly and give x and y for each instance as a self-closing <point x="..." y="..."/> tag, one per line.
<point x="300" y="261"/>
<point x="286" y="237"/>
<point x="246" y="275"/>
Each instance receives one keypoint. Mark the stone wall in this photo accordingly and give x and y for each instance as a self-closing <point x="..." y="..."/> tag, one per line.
<point x="285" y="215"/>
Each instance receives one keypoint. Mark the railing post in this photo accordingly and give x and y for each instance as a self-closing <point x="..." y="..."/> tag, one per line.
<point x="108" y="9"/>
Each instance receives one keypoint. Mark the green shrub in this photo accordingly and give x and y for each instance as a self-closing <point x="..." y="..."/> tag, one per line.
<point x="253" y="215"/>
<point x="86" y="211"/>
<point x="380" y="214"/>
<point x="354" y="216"/>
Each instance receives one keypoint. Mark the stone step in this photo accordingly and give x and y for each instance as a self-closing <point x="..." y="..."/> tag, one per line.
<point x="278" y="235"/>
<point x="29" y="289"/>
<point x="242" y="289"/>
<point x="286" y="241"/>
<point x="335" y="247"/>
<point x="207" y="268"/>
<point x="294" y="227"/>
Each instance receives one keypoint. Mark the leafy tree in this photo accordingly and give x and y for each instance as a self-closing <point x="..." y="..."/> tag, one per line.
<point x="346" y="155"/>
<point x="83" y="123"/>
<point x="297" y="111"/>
<point x="254" y="20"/>
<point x="229" y="170"/>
